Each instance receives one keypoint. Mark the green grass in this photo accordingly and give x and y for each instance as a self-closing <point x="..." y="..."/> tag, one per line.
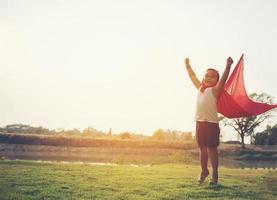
<point x="33" y="180"/>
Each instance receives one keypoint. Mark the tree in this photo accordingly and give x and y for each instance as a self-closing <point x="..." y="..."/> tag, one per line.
<point x="125" y="135"/>
<point x="187" y="136"/>
<point x="92" y="132"/>
<point x="267" y="137"/>
<point x="23" y="128"/>
<point x="159" y="134"/>
<point x="245" y="126"/>
<point x="110" y="132"/>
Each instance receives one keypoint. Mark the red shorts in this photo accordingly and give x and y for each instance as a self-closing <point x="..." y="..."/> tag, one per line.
<point x="207" y="134"/>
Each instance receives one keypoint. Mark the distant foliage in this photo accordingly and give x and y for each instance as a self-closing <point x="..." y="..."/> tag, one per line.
<point x="27" y="129"/>
<point x="160" y="134"/>
<point x="125" y="135"/>
<point x="90" y="132"/>
<point x="73" y="141"/>
<point x="267" y="137"/>
<point x="22" y="128"/>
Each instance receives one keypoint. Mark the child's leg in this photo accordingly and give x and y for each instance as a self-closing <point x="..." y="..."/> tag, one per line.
<point x="203" y="157"/>
<point x="213" y="154"/>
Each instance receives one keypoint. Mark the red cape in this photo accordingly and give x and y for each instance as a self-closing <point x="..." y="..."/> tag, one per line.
<point x="234" y="101"/>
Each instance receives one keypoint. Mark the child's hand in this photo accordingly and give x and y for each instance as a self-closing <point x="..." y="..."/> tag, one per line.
<point x="229" y="62"/>
<point x="187" y="61"/>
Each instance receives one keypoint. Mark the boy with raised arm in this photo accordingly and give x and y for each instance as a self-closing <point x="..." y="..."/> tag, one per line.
<point x="207" y="128"/>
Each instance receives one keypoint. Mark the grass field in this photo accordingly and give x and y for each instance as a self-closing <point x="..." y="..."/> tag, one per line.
<point x="35" y="180"/>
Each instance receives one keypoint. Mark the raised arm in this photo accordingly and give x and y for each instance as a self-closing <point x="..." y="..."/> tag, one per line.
<point x="192" y="75"/>
<point x="220" y="84"/>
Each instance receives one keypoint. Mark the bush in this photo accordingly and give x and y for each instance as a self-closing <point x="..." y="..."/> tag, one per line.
<point x="125" y="135"/>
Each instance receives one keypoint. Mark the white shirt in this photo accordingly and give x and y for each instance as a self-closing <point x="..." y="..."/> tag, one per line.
<point x="206" y="106"/>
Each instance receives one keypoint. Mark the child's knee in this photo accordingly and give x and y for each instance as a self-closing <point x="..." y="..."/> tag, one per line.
<point x="213" y="149"/>
<point x="202" y="148"/>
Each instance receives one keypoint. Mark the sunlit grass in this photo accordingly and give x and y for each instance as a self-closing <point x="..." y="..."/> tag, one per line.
<point x="32" y="180"/>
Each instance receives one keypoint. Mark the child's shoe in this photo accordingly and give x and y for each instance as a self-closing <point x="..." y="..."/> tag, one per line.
<point x="214" y="179"/>
<point x="202" y="177"/>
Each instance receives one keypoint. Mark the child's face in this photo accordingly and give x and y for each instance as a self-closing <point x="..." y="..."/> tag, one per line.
<point x="210" y="78"/>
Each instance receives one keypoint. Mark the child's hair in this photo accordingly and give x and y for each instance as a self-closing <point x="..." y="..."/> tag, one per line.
<point x="212" y="69"/>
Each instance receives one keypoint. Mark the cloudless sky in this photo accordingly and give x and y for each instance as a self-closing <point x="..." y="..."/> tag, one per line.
<point x="119" y="64"/>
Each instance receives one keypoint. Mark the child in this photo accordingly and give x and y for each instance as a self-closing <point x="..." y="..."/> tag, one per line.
<point x="207" y="129"/>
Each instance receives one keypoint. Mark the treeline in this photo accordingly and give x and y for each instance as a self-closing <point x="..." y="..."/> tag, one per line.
<point x="68" y="141"/>
<point x="90" y="132"/>
<point x="266" y="137"/>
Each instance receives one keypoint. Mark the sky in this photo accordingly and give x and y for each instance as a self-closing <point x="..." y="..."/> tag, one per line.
<point x="120" y="64"/>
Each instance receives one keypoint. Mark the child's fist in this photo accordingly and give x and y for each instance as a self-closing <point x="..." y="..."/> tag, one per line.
<point x="186" y="61"/>
<point x="229" y="61"/>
